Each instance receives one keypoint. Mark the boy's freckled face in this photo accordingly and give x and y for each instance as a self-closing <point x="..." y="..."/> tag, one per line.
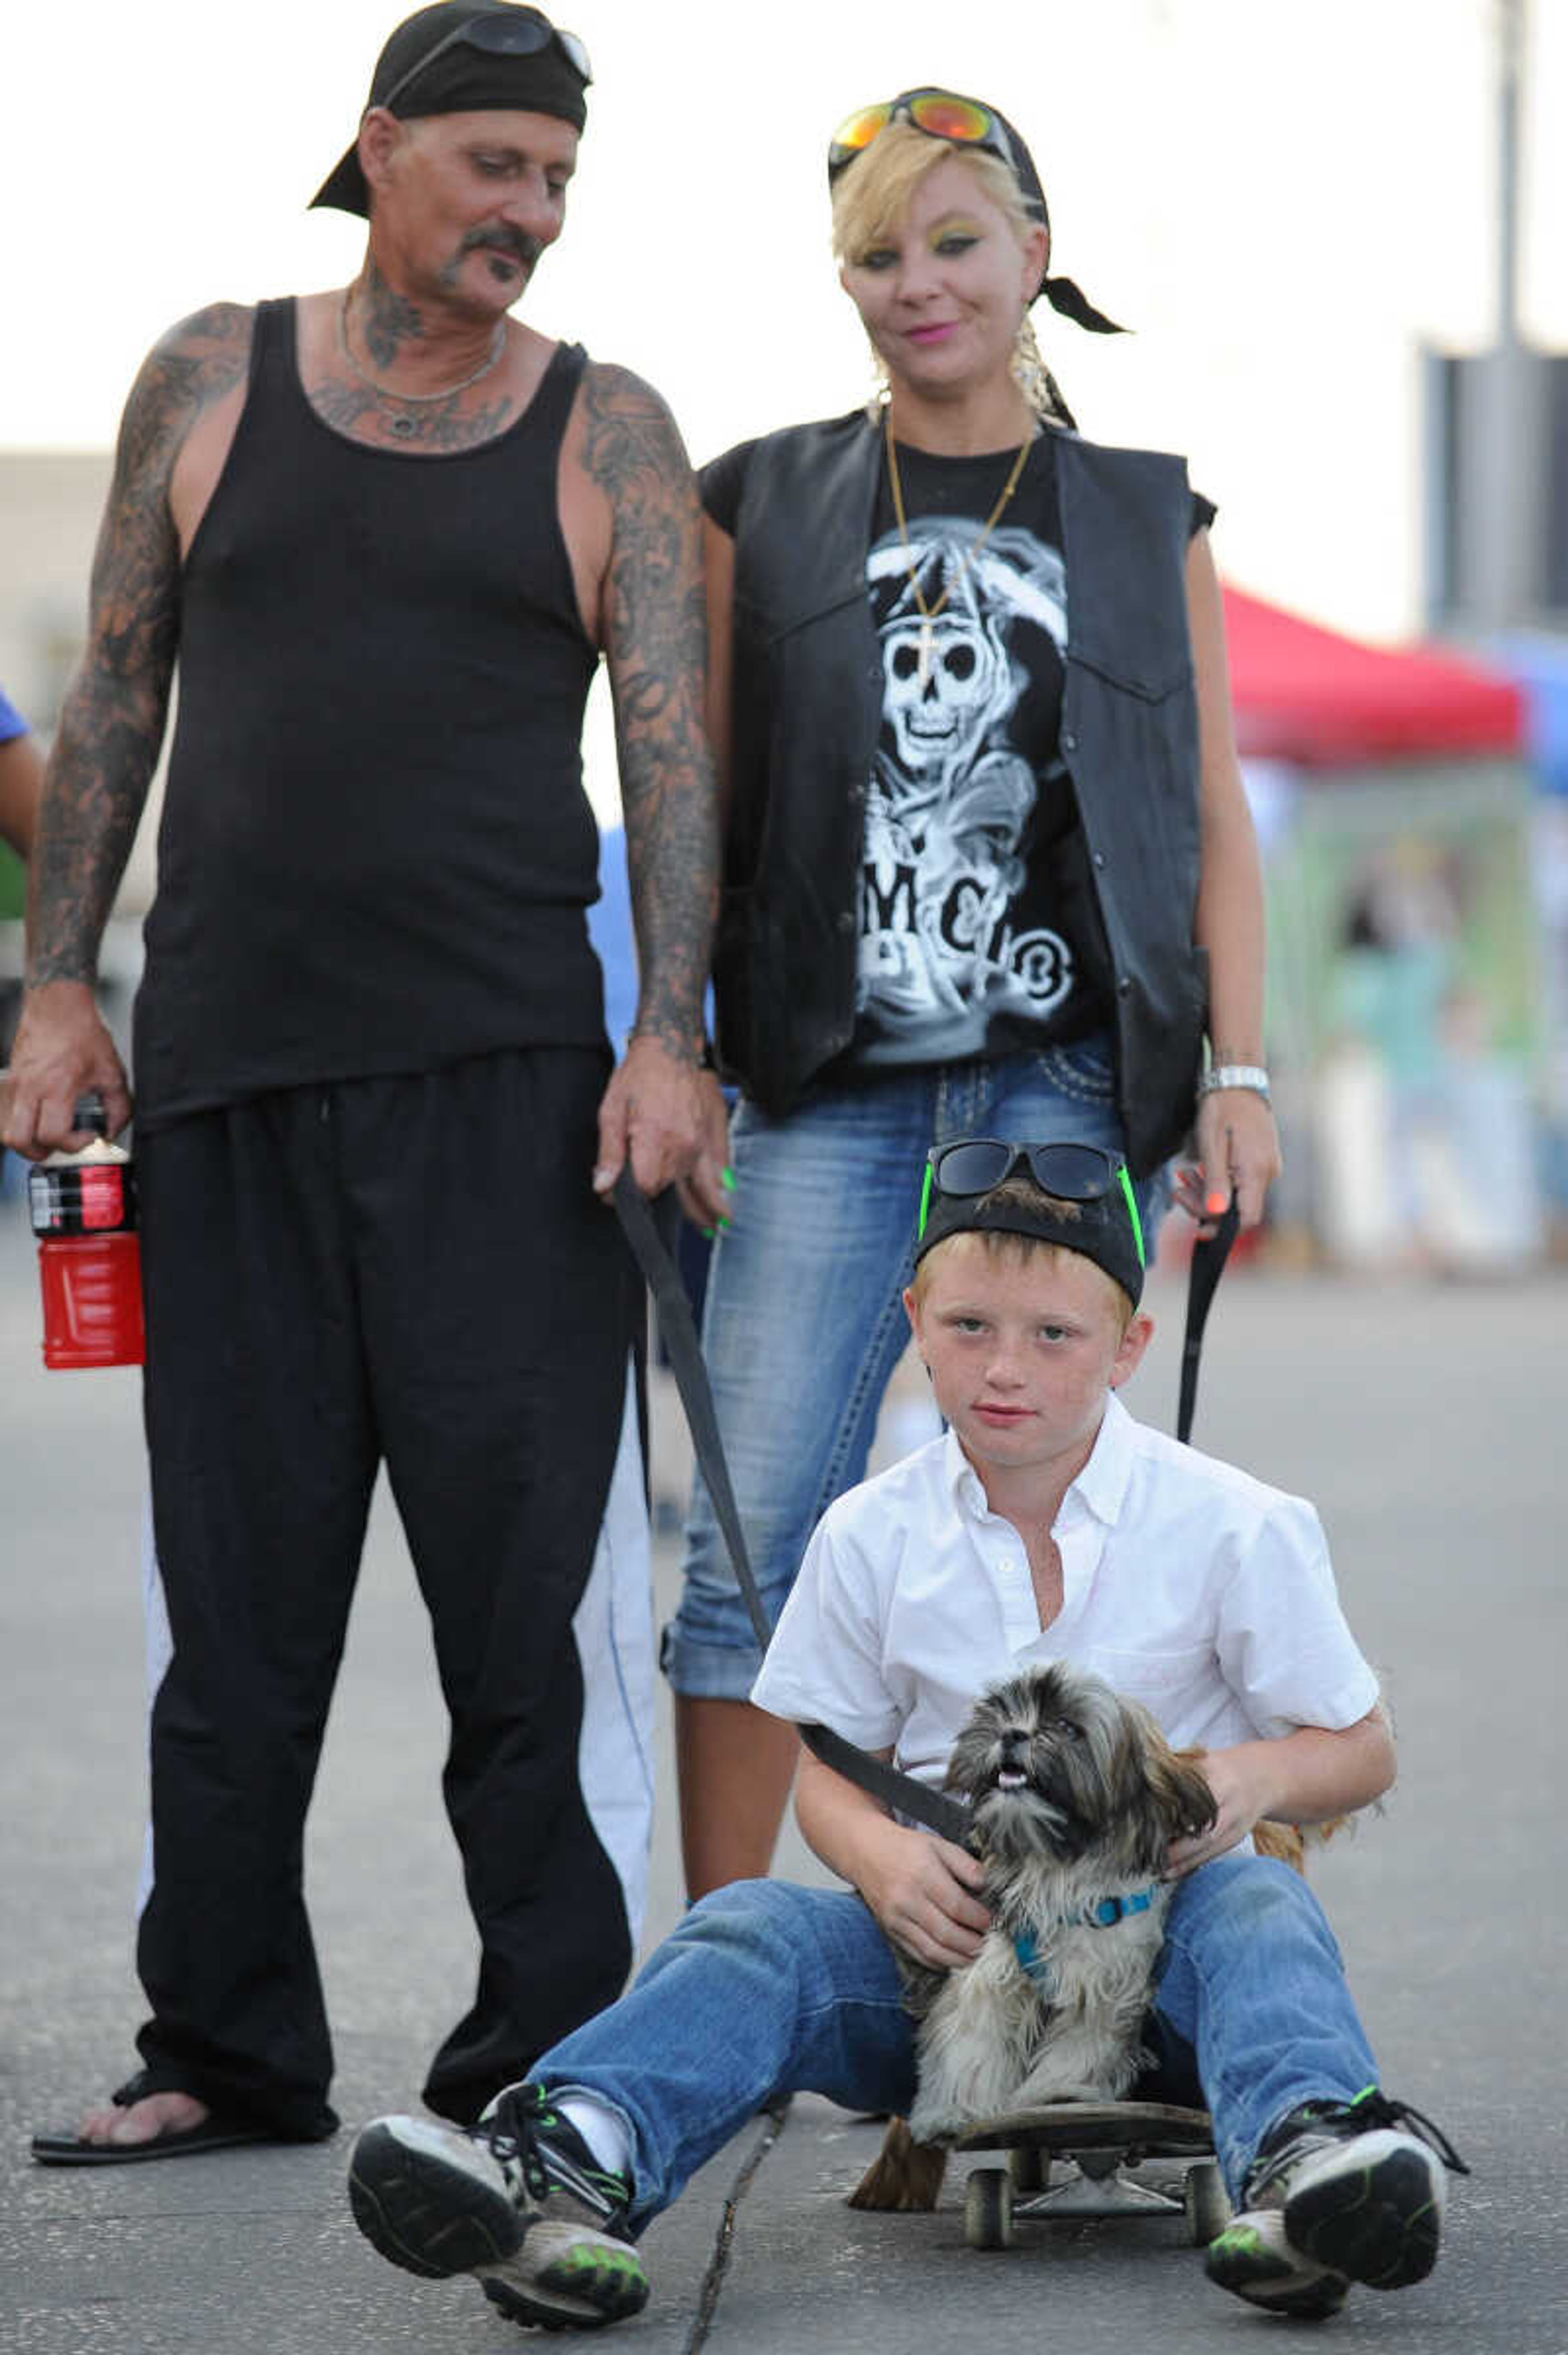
<point x="1022" y="1353"/>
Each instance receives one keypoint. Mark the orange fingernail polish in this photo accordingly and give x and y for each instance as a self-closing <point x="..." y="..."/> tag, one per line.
<point x="1215" y="1204"/>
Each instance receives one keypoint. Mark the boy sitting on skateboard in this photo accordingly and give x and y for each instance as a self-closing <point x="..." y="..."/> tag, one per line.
<point x="1046" y="1522"/>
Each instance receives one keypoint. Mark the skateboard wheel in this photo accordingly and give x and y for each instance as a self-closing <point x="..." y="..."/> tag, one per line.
<point x="989" y="2209"/>
<point x="1204" y="2204"/>
<point x="1028" y="2169"/>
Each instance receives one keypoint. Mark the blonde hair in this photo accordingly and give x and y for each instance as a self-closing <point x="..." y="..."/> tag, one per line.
<point x="1004" y="1243"/>
<point x="873" y="194"/>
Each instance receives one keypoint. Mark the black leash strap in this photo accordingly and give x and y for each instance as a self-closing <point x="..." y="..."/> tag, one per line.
<point x="1209" y="1257"/>
<point x="933" y="1808"/>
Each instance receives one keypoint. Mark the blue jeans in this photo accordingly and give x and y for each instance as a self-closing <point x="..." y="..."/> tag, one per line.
<point x="768" y="1988"/>
<point x="803" y="1325"/>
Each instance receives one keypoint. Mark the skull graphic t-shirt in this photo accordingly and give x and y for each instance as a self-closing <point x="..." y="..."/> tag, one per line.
<point x="976" y="932"/>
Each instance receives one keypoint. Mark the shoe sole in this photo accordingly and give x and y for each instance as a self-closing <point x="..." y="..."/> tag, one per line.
<point x="530" y="2309"/>
<point x="582" y="2286"/>
<point x="421" y="2207"/>
<point x="1378" y="2224"/>
<point x="1270" y="2279"/>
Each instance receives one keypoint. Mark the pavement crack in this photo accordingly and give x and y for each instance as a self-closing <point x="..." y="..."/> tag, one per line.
<point x="774" y="2118"/>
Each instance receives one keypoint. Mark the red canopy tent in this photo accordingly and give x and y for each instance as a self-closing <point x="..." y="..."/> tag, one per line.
<point x="1306" y="694"/>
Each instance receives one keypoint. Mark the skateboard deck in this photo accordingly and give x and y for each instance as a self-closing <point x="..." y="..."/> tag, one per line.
<point x="1152" y="2128"/>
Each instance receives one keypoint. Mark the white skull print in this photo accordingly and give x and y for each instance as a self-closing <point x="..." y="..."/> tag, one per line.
<point x="951" y="797"/>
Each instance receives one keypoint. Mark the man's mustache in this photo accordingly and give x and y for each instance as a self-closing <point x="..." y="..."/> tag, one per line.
<point x="507" y="238"/>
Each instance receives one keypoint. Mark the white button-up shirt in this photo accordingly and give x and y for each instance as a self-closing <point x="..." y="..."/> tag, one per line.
<point x="1189" y="1586"/>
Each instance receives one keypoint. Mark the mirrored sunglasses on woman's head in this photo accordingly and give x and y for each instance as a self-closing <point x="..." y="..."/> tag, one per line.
<point x="940" y="114"/>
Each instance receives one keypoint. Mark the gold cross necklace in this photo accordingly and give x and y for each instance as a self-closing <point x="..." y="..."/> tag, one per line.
<point x="929" y="613"/>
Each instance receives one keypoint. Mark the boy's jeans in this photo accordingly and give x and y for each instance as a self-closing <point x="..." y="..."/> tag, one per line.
<point x="769" y="1989"/>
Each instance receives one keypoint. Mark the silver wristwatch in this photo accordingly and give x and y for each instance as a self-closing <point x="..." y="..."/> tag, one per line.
<point x="1234" y="1075"/>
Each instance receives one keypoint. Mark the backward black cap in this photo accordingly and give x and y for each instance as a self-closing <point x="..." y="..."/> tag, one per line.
<point x="1100" y="1229"/>
<point x="462" y="80"/>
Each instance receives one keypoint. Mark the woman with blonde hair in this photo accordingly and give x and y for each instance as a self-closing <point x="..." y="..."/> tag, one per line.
<point x="990" y="865"/>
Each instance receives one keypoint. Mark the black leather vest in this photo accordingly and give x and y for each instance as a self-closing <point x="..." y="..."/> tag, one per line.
<point x="806" y="711"/>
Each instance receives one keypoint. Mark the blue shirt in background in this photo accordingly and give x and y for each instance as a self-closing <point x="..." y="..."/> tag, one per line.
<point x="610" y="930"/>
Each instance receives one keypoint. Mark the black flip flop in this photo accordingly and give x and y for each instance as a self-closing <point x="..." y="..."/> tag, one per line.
<point x="214" y="2133"/>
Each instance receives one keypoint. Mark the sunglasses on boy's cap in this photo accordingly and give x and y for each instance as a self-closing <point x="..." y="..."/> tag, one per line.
<point x="454" y="58"/>
<point x="966" y="122"/>
<point x="961" y="1180"/>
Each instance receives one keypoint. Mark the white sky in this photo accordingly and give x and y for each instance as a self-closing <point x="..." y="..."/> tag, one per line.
<point x="1284" y="199"/>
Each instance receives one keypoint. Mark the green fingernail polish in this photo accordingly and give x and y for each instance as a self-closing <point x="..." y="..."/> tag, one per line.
<point x="724" y="1223"/>
<point x="707" y="1234"/>
<point x="727" y="1180"/>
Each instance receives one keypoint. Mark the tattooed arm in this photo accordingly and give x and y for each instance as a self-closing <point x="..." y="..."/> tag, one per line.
<point x="659" y="1106"/>
<point x="107" y="745"/>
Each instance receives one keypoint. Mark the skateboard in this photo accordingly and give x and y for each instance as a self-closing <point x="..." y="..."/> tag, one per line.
<point x="1106" y="2141"/>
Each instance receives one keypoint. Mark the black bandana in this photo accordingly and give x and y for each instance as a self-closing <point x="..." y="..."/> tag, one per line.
<point x="466" y="81"/>
<point x="462" y="80"/>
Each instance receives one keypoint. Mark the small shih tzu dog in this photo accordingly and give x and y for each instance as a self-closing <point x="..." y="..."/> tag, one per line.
<point x="1074" y="1798"/>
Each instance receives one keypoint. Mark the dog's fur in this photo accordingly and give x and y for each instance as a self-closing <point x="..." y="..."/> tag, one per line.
<point x="1075" y="1795"/>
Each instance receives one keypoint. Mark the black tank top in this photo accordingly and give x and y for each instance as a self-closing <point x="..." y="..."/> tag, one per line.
<point x="375" y="851"/>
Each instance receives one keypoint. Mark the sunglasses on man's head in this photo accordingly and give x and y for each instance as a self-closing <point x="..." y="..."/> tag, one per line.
<point x="513" y="35"/>
<point x="1073" y="1172"/>
<point x="940" y="113"/>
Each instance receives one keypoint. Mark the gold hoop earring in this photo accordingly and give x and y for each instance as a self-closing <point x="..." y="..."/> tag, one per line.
<point x="1029" y="373"/>
<point x="1034" y="380"/>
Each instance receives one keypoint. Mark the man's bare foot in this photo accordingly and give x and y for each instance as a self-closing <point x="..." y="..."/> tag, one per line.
<point x="143" y="2121"/>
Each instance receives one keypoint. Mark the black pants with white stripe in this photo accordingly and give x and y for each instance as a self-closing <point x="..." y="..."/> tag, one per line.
<point x="411" y="1270"/>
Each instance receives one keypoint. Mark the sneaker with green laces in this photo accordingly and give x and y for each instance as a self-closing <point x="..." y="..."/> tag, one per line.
<point x="517" y="2201"/>
<point x="1340" y="2191"/>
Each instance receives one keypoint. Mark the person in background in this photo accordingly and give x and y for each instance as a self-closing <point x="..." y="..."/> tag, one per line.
<point x="989" y="866"/>
<point x="21" y="778"/>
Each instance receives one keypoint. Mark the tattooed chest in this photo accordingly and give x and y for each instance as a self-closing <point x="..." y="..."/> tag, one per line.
<point x="381" y="421"/>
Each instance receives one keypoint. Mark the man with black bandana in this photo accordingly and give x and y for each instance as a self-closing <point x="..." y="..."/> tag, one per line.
<point x="387" y="532"/>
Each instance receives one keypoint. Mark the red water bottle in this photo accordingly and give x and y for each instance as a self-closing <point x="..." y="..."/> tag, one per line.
<point x="83" y="1208"/>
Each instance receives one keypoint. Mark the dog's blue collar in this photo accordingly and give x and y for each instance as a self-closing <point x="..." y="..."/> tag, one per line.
<point x="1112" y="1909"/>
<point x="1103" y="1916"/>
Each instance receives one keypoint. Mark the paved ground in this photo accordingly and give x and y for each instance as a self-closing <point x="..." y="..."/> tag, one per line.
<point x="1429" y="1425"/>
